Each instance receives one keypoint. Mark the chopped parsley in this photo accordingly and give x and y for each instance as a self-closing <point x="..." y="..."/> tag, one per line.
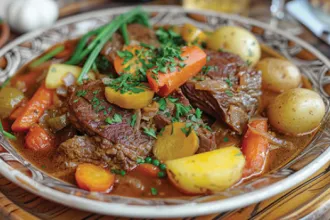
<point x="229" y="93"/>
<point x="172" y="99"/>
<point x="187" y="129"/>
<point x="115" y="119"/>
<point x="81" y="93"/>
<point x="150" y="132"/>
<point x="154" y="191"/>
<point x="225" y="139"/>
<point x="198" y="113"/>
<point x="207" y="69"/>
<point x="230" y="84"/>
<point x="126" y="83"/>
<point x="119" y="172"/>
<point x="5" y="133"/>
<point x="133" y="120"/>
<point x="162" y="104"/>
<point x="181" y="110"/>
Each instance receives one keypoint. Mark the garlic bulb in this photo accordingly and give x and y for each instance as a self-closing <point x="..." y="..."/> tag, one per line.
<point x="28" y="15"/>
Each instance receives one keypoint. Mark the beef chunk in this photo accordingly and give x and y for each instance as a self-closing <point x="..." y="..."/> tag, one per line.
<point x="116" y="143"/>
<point x="137" y="34"/>
<point x="229" y="91"/>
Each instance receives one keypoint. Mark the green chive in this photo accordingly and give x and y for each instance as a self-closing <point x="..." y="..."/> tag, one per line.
<point x="47" y="56"/>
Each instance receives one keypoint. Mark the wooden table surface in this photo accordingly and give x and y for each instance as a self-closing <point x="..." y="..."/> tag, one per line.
<point x="308" y="200"/>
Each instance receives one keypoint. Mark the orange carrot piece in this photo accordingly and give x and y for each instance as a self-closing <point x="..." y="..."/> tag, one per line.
<point x="165" y="83"/>
<point x="18" y="111"/>
<point x="255" y="147"/>
<point x="38" y="139"/>
<point x="94" y="178"/>
<point x="148" y="169"/>
<point x="130" y="66"/>
<point x="35" y="107"/>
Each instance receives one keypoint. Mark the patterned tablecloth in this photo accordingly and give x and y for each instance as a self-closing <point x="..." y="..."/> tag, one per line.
<point x="308" y="200"/>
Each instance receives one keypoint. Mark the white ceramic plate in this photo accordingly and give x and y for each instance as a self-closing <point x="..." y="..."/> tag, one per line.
<point x="311" y="63"/>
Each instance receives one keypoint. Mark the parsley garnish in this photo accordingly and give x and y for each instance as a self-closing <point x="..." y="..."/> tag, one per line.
<point x="5" y="133"/>
<point x="225" y="139"/>
<point x="187" y="129"/>
<point x="81" y="93"/>
<point x="116" y="119"/>
<point x="181" y="110"/>
<point x="162" y="104"/>
<point x="150" y="132"/>
<point x="154" y="191"/>
<point x="207" y="69"/>
<point x="229" y="93"/>
<point x="126" y="83"/>
<point x="133" y="120"/>
<point x="198" y="113"/>
<point x="230" y="84"/>
<point x="172" y="99"/>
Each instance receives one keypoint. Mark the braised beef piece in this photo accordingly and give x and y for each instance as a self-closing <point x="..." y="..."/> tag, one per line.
<point x="137" y="33"/>
<point x="229" y="91"/>
<point x="116" y="143"/>
<point x="162" y="118"/>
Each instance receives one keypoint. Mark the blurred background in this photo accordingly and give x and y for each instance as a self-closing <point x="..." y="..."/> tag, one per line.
<point x="308" y="19"/>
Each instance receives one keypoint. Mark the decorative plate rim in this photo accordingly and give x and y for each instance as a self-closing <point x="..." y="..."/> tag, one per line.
<point x="164" y="211"/>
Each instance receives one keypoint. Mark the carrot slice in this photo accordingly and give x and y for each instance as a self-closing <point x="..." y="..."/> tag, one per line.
<point x="38" y="139"/>
<point x="18" y="111"/>
<point x="131" y="65"/>
<point x="35" y="107"/>
<point x="255" y="147"/>
<point x="94" y="178"/>
<point x="165" y="83"/>
<point x="148" y="169"/>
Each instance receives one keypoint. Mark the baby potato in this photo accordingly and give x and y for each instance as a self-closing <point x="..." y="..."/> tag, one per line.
<point x="192" y="34"/>
<point x="236" y="40"/>
<point x="173" y="143"/>
<point x="207" y="172"/>
<point x="278" y="75"/>
<point x="296" y="112"/>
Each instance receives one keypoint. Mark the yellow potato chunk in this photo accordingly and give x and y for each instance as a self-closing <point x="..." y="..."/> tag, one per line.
<point x="174" y="143"/>
<point x="207" y="172"/>
<point x="57" y="72"/>
<point x="129" y="100"/>
<point x="192" y="34"/>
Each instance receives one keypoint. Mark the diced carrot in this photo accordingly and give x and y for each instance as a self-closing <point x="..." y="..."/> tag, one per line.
<point x="255" y="147"/>
<point x="94" y="178"/>
<point x="25" y="81"/>
<point x="18" y="111"/>
<point x="38" y="139"/>
<point x="35" y="107"/>
<point x="129" y="66"/>
<point x="165" y="83"/>
<point x="148" y="169"/>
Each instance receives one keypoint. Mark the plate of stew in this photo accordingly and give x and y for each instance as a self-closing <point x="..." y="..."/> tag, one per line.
<point x="162" y="112"/>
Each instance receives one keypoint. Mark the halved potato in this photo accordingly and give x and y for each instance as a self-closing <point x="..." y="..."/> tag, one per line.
<point x="207" y="172"/>
<point x="129" y="100"/>
<point x="173" y="143"/>
<point x="57" y="72"/>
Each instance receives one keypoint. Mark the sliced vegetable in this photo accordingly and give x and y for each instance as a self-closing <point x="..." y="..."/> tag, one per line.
<point x="207" y="172"/>
<point x="18" y="111"/>
<point x="255" y="148"/>
<point x="54" y="51"/>
<point x="57" y="73"/>
<point x="165" y="83"/>
<point x="9" y="100"/>
<point x="148" y="169"/>
<point x="193" y="35"/>
<point x="130" y="100"/>
<point x="128" y="60"/>
<point x="35" y="107"/>
<point x="38" y="139"/>
<point x="94" y="178"/>
<point x="174" y="143"/>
